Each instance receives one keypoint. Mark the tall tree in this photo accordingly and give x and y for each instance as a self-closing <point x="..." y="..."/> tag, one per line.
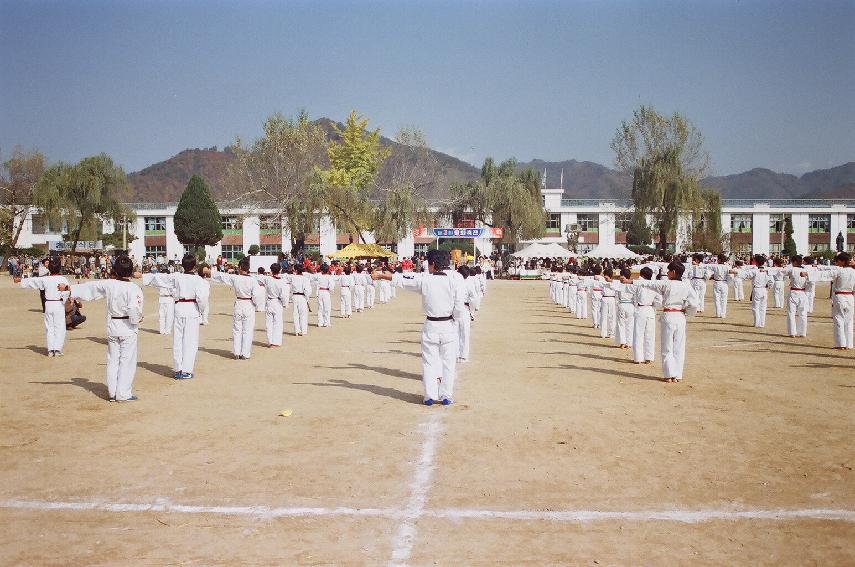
<point x="399" y="196"/>
<point x="706" y="231"/>
<point x="355" y="161"/>
<point x="19" y="176"/>
<point x="83" y="194"/>
<point x="278" y="171"/>
<point x="197" y="219"/>
<point x="666" y="158"/>
<point x="503" y="198"/>
<point x="789" y="244"/>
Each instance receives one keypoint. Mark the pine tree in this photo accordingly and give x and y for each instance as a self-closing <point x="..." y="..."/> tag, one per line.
<point x="789" y="243"/>
<point x="197" y="220"/>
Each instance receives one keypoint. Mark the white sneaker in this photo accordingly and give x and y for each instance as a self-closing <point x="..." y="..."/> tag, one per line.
<point x="50" y="353"/>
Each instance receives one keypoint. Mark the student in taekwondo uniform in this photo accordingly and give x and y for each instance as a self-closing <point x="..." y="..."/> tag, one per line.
<point x="124" y="314"/>
<point x="385" y="291"/>
<point x="249" y="298"/>
<point x="719" y="273"/>
<point x="54" y="306"/>
<point x="370" y="290"/>
<point x="326" y="285"/>
<point x="797" y="300"/>
<point x="678" y="299"/>
<point x="166" y="308"/>
<point x="842" y="278"/>
<point x="278" y="294"/>
<point x="644" y="331"/>
<point x="608" y="307"/>
<point x="443" y="302"/>
<point x="359" y="289"/>
<point x="626" y="309"/>
<point x="582" y="296"/>
<point x="346" y="281"/>
<point x="191" y="309"/>
<point x="572" y="290"/>
<point x="301" y="291"/>
<point x="736" y="280"/>
<point x="699" y="274"/>
<point x="761" y="282"/>
<point x="778" y="276"/>
<point x="596" y="287"/>
<point x="472" y="303"/>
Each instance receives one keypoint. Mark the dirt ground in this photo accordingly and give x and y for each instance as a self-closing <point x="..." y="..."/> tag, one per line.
<point x="548" y="418"/>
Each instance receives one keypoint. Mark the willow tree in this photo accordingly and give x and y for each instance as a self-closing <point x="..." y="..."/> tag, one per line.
<point x="706" y="233"/>
<point x="399" y="194"/>
<point x="503" y="198"/>
<point x="355" y="160"/>
<point x="83" y="195"/>
<point x="278" y="171"/>
<point x="666" y="158"/>
<point x="19" y="176"/>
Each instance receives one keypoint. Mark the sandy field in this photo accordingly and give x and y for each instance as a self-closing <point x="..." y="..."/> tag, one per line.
<point x="558" y="450"/>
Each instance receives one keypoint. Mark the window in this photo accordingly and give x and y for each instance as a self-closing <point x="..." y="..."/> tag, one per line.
<point x="231" y="225"/>
<point x="421" y="249"/>
<point x="776" y="222"/>
<point x="584" y="248"/>
<point x="819" y="248"/>
<point x="310" y="248"/>
<point x="776" y="248"/>
<point x="745" y="248"/>
<point x="623" y="221"/>
<point x="819" y="223"/>
<point x="553" y="223"/>
<point x="154" y="251"/>
<point x="270" y="224"/>
<point x="270" y="249"/>
<point x="850" y="246"/>
<point x="42" y="224"/>
<point x="155" y="226"/>
<point x="850" y="224"/>
<point x="231" y="251"/>
<point x="588" y="222"/>
<point x="741" y="223"/>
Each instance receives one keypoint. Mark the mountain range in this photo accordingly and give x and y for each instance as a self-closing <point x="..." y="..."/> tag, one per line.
<point x="165" y="181"/>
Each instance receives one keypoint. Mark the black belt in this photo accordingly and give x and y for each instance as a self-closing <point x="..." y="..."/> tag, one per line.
<point x="644" y="305"/>
<point x="298" y="293"/>
<point x="125" y="317"/>
<point x="244" y="298"/>
<point x="718" y="280"/>
<point x="466" y="304"/>
<point x="446" y="318"/>
<point x="323" y="289"/>
<point x="54" y="300"/>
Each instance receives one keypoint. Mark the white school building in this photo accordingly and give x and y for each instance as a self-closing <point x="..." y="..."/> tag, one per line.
<point x="755" y="225"/>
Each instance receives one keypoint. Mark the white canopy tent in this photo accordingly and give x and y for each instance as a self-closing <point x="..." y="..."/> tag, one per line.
<point x="534" y="250"/>
<point x="618" y="251"/>
<point x="558" y="251"/>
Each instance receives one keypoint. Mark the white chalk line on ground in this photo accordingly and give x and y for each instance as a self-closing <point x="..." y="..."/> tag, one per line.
<point x="416" y="509"/>
<point x="405" y="537"/>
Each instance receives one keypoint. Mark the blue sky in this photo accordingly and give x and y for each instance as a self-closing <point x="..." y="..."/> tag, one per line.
<point x="770" y="84"/>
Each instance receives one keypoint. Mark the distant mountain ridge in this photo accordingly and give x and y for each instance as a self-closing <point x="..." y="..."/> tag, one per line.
<point x="166" y="180"/>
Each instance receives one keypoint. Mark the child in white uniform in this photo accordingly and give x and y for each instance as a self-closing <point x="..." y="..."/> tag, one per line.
<point x="54" y="304"/>
<point x="249" y="298"/>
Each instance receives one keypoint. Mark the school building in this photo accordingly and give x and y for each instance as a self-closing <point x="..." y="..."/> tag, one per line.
<point x="755" y="226"/>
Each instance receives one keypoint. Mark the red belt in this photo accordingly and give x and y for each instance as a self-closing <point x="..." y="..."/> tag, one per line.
<point x="323" y="289"/>
<point x="835" y="293"/>
<point x="185" y="301"/>
<point x="673" y="310"/>
<point x="597" y="289"/>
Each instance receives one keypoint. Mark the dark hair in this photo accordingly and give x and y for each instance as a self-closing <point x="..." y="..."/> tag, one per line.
<point x="627" y="273"/>
<point x="678" y="268"/>
<point x="261" y="270"/>
<point x="359" y="268"/>
<point x="796" y="259"/>
<point x="722" y="258"/>
<point x="760" y="260"/>
<point x="844" y="257"/>
<point x="123" y="267"/>
<point x="54" y="265"/>
<point x="463" y="271"/>
<point x="646" y="273"/>
<point x="188" y="262"/>
<point x="298" y="269"/>
<point x="440" y="259"/>
<point x="200" y="269"/>
<point x="275" y="268"/>
<point x="347" y="269"/>
<point x="325" y="269"/>
<point x="243" y="265"/>
<point x="698" y="258"/>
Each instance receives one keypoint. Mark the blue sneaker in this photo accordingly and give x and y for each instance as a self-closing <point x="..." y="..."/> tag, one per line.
<point x="428" y="402"/>
<point x="177" y="375"/>
<point x="446" y="402"/>
<point x="131" y="399"/>
<point x="185" y="376"/>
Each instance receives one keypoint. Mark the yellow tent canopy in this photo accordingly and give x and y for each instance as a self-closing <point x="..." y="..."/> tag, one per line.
<point x="358" y="251"/>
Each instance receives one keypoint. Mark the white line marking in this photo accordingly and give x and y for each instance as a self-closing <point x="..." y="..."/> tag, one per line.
<point x="737" y="344"/>
<point x="416" y="510"/>
<point x="406" y="535"/>
<point x="169" y="507"/>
